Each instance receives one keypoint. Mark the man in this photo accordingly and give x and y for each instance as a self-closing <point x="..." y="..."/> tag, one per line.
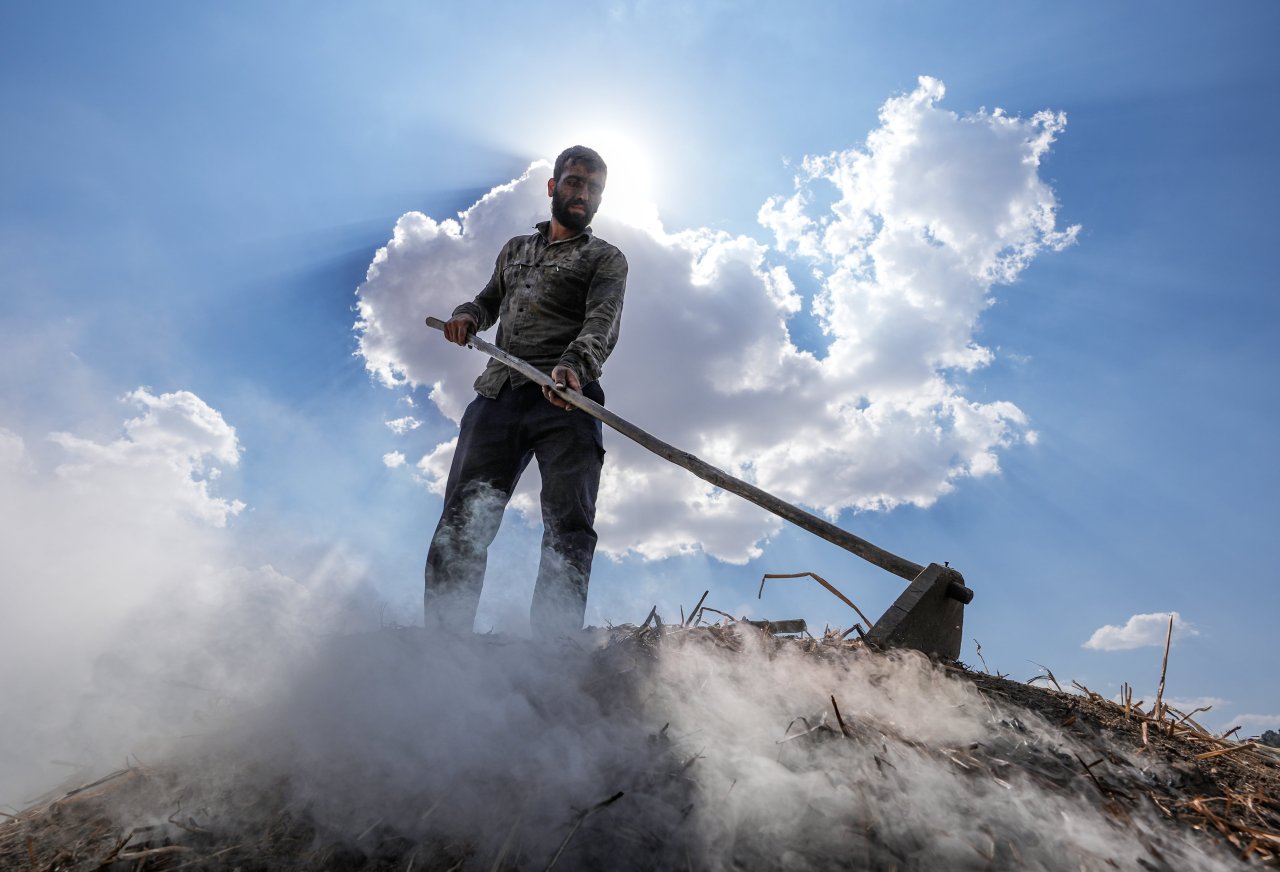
<point x="557" y="297"/>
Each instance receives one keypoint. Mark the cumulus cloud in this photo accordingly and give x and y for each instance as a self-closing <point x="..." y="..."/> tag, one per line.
<point x="170" y="449"/>
<point x="400" y="426"/>
<point x="393" y="459"/>
<point x="927" y="219"/>
<point x="1140" y="631"/>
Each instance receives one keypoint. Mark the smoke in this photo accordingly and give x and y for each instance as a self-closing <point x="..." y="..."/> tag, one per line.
<point x="723" y="759"/>
<point x="141" y="636"/>
<point x="128" y="611"/>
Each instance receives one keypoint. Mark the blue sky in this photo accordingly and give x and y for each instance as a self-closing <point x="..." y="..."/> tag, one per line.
<point x="192" y="195"/>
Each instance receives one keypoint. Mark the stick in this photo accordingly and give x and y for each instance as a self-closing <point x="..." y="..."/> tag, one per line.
<point x="577" y="823"/>
<point x="839" y="720"/>
<point x="1187" y="717"/>
<point x="1088" y="770"/>
<point x="1159" y="713"/>
<point x="693" y="614"/>
<point x="820" y="580"/>
<point x="1247" y="746"/>
<point x="899" y="566"/>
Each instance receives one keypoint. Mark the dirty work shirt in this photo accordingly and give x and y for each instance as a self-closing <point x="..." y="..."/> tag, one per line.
<point x="557" y="304"/>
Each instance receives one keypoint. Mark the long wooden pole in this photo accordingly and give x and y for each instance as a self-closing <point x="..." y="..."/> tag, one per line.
<point x="899" y="566"/>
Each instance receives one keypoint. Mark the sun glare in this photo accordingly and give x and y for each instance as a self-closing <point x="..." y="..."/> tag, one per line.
<point x="628" y="195"/>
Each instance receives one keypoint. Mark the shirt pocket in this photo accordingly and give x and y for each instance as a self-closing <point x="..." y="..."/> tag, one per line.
<point x="564" y="290"/>
<point x="520" y="277"/>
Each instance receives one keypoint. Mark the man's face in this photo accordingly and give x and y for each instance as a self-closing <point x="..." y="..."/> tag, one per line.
<point x="576" y="195"/>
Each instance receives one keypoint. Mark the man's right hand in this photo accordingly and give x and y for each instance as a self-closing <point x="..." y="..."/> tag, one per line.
<point x="458" y="328"/>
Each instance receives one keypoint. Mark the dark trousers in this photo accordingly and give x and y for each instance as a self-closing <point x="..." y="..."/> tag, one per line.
<point x="497" y="439"/>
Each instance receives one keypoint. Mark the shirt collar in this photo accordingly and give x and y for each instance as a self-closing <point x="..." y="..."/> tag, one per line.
<point x="544" y="228"/>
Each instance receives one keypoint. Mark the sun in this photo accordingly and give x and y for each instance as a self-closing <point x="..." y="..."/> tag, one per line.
<point x="628" y="195"/>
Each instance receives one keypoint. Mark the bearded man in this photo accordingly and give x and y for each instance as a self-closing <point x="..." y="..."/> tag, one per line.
<point x="556" y="295"/>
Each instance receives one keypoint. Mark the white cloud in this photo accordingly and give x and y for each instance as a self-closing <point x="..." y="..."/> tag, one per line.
<point x="13" y="452"/>
<point x="169" y="450"/>
<point x="1140" y="631"/>
<point x="393" y="459"/>
<point x="1253" y="725"/>
<point x="434" y="466"/>
<point x="935" y="211"/>
<point x="1191" y="703"/>
<point x="400" y="426"/>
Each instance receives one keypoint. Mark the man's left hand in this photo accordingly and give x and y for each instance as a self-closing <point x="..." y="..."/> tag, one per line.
<point x="563" y="378"/>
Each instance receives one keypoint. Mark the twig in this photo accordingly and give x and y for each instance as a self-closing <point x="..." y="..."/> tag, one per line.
<point x="1088" y="770"/>
<point x="693" y="759"/>
<point x="1048" y="675"/>
<point x="577" y="823"/>
<point x="1195" y="726"/>
<point x="1164" y="666"/>
<point x="102" y="780"/>
<point x="653" y="613"/>
<point x="506" y="843"/>
<point x="1087" y="692"/>
<point x="855" y="628"/>
<point x="802" y="719"/>
<point x="204" y="859"/>
<point x="1187" y="717"/>
<point x="844" y="731"/>
<point x="1247" y="746"/>
<point x="809" y="732"/>
<point x="985" y="667"/>
<point x="820" y="580"/>
<point x="156" y="852"/>
<point x="193" y="828"/>
<point x="693" y="614"/>
<point x="718" y="612"/>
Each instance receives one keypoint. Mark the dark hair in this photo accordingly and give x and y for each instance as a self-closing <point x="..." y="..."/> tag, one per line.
<point x="580" y="154"/>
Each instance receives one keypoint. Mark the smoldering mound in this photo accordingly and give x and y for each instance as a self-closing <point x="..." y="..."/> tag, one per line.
<point x="708" y="748"/>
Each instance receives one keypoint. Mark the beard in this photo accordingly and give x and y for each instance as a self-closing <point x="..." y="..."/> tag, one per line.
<point x="560" y="211"/>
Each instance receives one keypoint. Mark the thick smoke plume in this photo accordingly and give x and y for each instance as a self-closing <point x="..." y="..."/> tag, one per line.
<point x="485" y="752"/>
<point x="246" y="687"/>
<point x="128" y="612"/>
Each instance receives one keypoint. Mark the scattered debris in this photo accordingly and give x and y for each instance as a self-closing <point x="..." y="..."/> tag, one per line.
<point x="820" y="580"/>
